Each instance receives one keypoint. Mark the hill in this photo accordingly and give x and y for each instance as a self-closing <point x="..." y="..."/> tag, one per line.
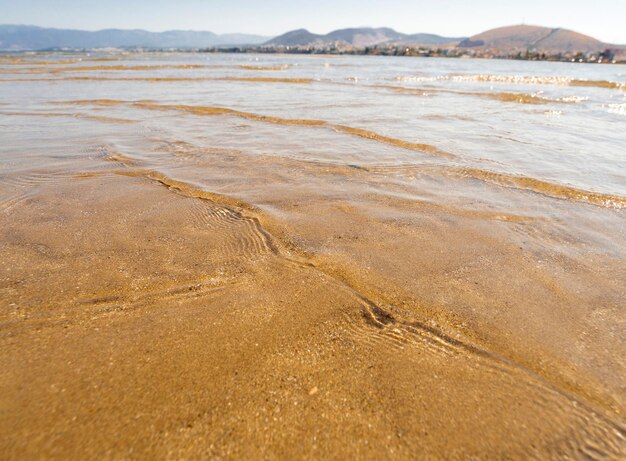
<point x="502" y="41"/>
<point x="295" y="38"/>
<point x="358" y="38"/>
<point x="517" y="38"/>
<point x="23" y="38"/>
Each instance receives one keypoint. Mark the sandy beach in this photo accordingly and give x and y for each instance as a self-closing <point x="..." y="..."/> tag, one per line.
<point x="274" y="282"/>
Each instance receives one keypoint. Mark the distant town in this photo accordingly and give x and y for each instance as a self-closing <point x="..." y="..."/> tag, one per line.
<point x="606" y="56"/>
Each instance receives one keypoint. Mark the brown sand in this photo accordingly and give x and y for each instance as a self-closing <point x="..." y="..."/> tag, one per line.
<point x="143" y="318"/>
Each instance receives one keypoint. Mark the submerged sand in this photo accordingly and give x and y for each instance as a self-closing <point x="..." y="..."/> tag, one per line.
<point x="164" y="299"/>
<point x="145" y="321"/>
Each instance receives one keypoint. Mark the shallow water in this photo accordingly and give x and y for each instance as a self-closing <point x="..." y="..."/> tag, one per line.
<point x="556" y="122"/>
<point x="363" y="236"/>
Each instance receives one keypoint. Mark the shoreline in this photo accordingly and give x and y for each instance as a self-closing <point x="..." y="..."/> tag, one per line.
<point x="416" y="53"/>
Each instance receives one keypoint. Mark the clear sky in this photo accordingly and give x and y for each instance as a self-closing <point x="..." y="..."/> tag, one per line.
<point x="603" y="19"/>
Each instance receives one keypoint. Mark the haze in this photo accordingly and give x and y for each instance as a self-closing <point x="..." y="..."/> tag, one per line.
<point x="603" y="20"/>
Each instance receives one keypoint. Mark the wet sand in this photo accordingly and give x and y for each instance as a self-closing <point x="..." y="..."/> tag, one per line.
<point x="175" y="325"/>
<point x="162" y="299"/>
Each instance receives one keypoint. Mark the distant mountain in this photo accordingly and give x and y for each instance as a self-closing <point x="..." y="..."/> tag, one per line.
<point x="363" y="37"/>
<point x="21" y="38"/>
<point x="513" y="39"/>
<point x="504" y="40"/>
<point x="358" y="38"/>
<point x="296" y="37"/>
